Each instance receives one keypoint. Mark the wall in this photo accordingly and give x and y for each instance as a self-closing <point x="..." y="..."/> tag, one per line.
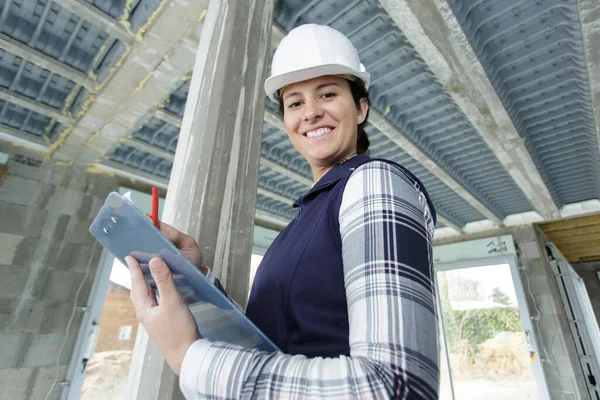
<point x="589" y="273"/>
<point x="118" y="311"/>
<point x="557" y="350"/>
<point x="47" y="264"/>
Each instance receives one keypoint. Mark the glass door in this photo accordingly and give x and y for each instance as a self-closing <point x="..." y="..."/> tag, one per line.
<point x="486" y="352"/>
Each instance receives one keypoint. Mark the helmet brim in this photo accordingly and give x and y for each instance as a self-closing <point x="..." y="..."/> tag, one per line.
<point x="274" y="83"/>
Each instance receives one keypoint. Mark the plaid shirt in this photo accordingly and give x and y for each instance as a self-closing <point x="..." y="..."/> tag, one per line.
<point x="391" y="308"/>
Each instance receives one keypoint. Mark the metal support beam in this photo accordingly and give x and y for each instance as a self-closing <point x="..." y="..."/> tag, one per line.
<point x="33" y="105"/>
<point x="270" y="221"/>
<point x="449" y="223"/>
<point x="12" y="135"/>
<point x="378" y="121"/>
<point x="280" y="169"/>
<point x="212" y="190"/>
<point x="167" y="116"/>
<point x="589" y="11"/>
<point x="272" y="195"/>
<point x="433" y="30"/>
<point x="402" y="141"/>
<point x="125" y="171"/>
<point x="96" y="17"/>
<point x="261" y="217"/>
<point x="272" y="119"/>
<point x="36" y="57"/>
<point x="151" y="149"/>
<point x="147" y="74"/>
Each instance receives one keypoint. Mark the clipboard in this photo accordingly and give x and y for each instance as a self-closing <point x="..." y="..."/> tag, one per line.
<point x="123" y="230"/>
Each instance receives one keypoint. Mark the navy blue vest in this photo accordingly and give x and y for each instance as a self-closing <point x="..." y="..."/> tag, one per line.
<point x="298" y="298"/>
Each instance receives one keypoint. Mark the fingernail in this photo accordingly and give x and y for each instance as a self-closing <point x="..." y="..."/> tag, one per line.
<point x="128" y="259"/>
<point x="156" y="263"/>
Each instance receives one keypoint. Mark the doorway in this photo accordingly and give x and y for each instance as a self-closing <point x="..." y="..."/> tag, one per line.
<point x="488" y="349"/>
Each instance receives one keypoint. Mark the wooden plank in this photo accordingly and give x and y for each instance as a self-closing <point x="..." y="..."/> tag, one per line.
<point x="575" y="248"/>
<point x="584" y="230"/>
<point x="577" y="239"/>
<point x="571" y="223"/>
<point x="579" y="254"/>
<point x="585" y="259"/>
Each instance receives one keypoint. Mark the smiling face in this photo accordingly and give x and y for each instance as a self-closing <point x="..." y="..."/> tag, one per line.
<point x="321" y="119"/>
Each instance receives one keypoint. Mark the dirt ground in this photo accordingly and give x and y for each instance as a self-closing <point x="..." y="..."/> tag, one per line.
<point x="504" y="357"/>
<point x="106" y="376"/>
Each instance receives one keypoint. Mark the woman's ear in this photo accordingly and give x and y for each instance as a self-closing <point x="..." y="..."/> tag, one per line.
<point x="363" y="110"/>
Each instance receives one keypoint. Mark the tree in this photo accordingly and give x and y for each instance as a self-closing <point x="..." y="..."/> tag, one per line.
<point x="500" y="297"/>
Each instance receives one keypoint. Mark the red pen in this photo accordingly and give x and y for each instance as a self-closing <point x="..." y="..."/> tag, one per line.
<point x="155" y="206"/>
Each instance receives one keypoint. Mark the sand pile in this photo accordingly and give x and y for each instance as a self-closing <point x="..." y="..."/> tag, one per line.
<point x="106" y="376"/>
<point x="504" y="356"/>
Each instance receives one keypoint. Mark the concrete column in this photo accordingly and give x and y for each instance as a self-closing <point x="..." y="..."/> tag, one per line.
<point x="556" y="350"/>
<point x="212" y="190"/>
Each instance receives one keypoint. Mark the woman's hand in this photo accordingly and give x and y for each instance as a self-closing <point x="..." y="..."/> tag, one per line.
<point x="186" y="244"/>
<point x="169" y="322"/>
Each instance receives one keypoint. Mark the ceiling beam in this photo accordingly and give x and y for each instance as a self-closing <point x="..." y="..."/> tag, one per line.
<point x="12" y="135"/>
<point x="271" y="118"/>
<point x="167" y="116"/>
<point x="33" y="105"/>
<point x="125" y="171"/>
<point x="38" y="58"/>
<point x="402" y="141"/>
<point x="274" y="119"/>
<point x="150" y="148"/>
<point x="274" y="196"/>
<point x="280" y="169"/>
<point x="88" y="12"/>
<point x="589" y="11"/>
<point x="270" y="221"/>
<point x="433" y="30"/>
<point x="261" y="218"/>
<point x="449" y="223"/>
<point x="143" y="80"/>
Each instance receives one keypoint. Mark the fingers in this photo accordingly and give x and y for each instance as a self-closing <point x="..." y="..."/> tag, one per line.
<point x="140" y="294"/>
<point x="164" y="281"/>
<point x="179" y="239"/>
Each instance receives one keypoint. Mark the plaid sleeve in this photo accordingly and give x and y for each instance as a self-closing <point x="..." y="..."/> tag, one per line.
<point x="386" y="230"/>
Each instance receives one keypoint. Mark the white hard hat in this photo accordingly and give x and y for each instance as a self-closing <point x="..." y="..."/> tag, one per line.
<point x="310" y="51"/>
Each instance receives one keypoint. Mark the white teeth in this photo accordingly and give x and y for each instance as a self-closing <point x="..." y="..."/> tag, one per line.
<point x="318" y="132"/>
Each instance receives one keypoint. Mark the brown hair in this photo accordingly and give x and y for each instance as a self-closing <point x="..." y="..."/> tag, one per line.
<point x="359" y="91"/>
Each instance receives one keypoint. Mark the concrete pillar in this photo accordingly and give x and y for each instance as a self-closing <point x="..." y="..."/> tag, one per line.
<point x="556" y="347"/>
<point x="212" y="190"/>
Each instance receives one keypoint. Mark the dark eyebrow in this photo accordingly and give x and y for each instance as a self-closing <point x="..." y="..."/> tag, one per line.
<point x="321" y="86"/>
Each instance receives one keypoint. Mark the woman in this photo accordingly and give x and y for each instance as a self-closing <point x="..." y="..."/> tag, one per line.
<point x="345" y="291"/>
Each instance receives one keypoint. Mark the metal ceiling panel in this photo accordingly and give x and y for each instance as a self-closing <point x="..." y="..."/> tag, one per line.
<point x="533" y="54"/>
<point x="114" y="8"/>
<point x="128" y="155"/>
<point x="445" y="200"/>
<point x="53" y="30"/>
<point x="33" y="81"/>
<point x="275" y="207"/>
<point x="46" y="26"/>
<point x="407" y="93"/>
<point x="175" y="102"/>
<point x="159" y="133"/>
<point x="277" y="183"/>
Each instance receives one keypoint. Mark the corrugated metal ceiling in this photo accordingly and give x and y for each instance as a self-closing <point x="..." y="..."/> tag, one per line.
<point x="531" y="50"/>
<point x="533" y="54"/>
